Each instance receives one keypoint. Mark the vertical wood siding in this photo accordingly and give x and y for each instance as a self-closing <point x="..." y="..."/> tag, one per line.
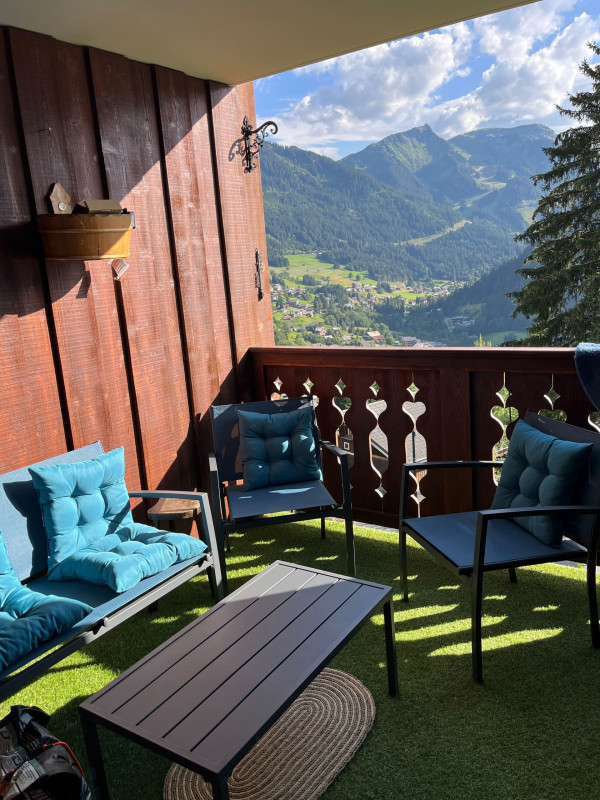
<point x="135" y="363"/>
<point x="243" y="228"/>
<point x="32" y="422"/>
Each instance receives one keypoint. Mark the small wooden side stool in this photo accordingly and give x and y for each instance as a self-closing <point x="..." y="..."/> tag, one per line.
<point x="170" y="510"/>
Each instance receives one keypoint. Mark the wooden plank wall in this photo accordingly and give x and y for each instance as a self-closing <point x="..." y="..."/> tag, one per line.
<point x="138" y="362"/>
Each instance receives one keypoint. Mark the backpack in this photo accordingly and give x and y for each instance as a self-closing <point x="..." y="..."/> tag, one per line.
<point x="34" y="764"/>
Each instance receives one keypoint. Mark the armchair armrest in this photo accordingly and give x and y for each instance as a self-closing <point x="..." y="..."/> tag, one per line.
<point x="333" y="448"/>
<point x="207" y="523"/>
<point x="417" y="466"/>
<point x="344" y="470"/>
<point x="537" y="511"/>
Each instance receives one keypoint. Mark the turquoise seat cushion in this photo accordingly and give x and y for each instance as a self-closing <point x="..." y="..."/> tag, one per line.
<point x="277" y="448"/>
<point x="82" y="502"/>
<point x="29" y="619"/>
<point x="539" y="470"/>
<point x="123" y="558"/>
<point x="90" y="529"/>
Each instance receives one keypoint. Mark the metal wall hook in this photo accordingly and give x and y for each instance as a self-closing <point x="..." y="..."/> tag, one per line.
<point x="253" y="140"/>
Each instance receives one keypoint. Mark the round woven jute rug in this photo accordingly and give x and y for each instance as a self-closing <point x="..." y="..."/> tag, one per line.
<point x="302" y="753"/>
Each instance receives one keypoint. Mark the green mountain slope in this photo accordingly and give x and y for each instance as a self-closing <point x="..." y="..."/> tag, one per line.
<point x="507" y="152"/>
<point x="419" y="157"/>
<point x="315" y="204"/>
<point x="484" y="303"/>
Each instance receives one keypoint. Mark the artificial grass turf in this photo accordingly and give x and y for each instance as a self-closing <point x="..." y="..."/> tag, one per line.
<point x="529" y="732"/>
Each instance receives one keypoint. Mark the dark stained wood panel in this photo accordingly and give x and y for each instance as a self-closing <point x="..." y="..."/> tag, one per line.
<point x="183" y="108"/>
<point x="54" y="98"/>
<point x="131" y="153"/>
<point x="243" y="227"/>
<point x="58" y="122"/>
<point x="31" y="425"/>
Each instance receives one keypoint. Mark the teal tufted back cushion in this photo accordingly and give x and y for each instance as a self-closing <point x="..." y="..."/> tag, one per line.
<point x="277" y="448"/>
<point x="82" y="502"/>
<point x="539" y="470"/>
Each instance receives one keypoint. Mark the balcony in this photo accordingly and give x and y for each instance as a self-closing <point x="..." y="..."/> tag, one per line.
<point x="137" y="364"/>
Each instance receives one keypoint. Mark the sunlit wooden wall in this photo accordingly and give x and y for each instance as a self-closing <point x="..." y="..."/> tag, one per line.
<point x="135" y="363"/>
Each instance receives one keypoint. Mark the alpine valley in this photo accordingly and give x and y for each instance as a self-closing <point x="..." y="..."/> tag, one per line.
<point x="417" y="230"/>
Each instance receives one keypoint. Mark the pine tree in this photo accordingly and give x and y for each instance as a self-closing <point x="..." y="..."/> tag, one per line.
<point x="562" y="292"/>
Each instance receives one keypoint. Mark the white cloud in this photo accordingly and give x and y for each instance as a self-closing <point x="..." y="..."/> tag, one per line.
<point x="377" y="91"/>
<point x="330" y="152"/>
<point x="510" y="35"/>
<point x="389" y="88"/>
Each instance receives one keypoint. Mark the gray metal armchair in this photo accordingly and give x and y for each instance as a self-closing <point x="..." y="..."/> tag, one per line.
<point x="472" y="543"/>
<point x="235" y="508"/>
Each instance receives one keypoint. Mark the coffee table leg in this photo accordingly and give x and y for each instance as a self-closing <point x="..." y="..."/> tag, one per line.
<point x="390" y="646"/>
<point x="220" y="789"/>
<point x="92" y="745"/>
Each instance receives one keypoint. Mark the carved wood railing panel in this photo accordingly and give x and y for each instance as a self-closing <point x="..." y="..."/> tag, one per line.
<point x="391" y="405"/>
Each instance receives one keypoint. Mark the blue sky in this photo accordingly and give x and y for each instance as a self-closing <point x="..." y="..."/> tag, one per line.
<point x="505" y="69"/>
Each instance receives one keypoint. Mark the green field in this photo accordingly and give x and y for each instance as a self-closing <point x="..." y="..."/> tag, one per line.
<point x="307" y="264"/>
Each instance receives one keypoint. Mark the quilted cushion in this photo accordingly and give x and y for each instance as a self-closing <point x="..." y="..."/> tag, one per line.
<point x="91" y="533"/>
<point x="82" y="502"/>
<point x="539" y="470"/>
<point x="121" y="559"/>
<point x="27" y="618"/>
<point x="277" y="448"/>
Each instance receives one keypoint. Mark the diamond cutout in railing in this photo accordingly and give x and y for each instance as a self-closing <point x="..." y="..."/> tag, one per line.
<point x="308" y="384"/>
<point x="503" y="394"/>
<point x="413" y="390"/>
<point x="552" y="396"/>
<point x="340" y="386"/>
<point x="375" y="387"/>
<point x="381" y="492"/>
<point x="278" y="383"/>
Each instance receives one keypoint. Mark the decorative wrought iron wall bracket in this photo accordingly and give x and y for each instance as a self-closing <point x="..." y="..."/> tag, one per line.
<point x="253" y="141"/>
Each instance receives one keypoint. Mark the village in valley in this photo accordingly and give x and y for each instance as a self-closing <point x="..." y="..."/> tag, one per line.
<point x="316" y="303"/>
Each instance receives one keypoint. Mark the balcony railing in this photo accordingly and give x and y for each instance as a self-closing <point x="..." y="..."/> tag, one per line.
<point x="391" y="405"/>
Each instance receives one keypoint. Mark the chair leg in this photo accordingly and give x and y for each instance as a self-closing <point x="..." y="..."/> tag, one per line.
<point x="221" y="536"/>
<point x="593" y="601"/>
<point x="403" y="566"/>
<point x="512" y="575"/>
<point x="350" y="545"/>
<point x="476" y="609"/>
<point x="322" y="527"/>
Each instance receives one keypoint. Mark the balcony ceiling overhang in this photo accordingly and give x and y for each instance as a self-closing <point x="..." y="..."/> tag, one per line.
<point x="234" y="41"/>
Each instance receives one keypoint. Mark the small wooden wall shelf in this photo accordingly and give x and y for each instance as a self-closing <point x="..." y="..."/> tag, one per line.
<point x="85" y="237"/>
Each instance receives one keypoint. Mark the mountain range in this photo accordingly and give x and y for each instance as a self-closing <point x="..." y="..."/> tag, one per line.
<point x="411" y="207"/>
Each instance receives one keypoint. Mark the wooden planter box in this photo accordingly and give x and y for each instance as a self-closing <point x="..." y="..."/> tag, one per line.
<point x="83" y="237"/>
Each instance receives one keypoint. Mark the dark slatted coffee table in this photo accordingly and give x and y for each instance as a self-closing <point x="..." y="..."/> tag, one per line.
<point x="205" y="696"/>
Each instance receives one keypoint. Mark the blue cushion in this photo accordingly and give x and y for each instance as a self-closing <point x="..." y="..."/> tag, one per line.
<point x="587" y="364"/>
<point x="277" y="448"/>
<point x="82" y="502"/>
<point x="28" y="619"/>
<point x="539" y="470"/>
<point x="90" y="529"/>
<point x="122" y="559"/>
